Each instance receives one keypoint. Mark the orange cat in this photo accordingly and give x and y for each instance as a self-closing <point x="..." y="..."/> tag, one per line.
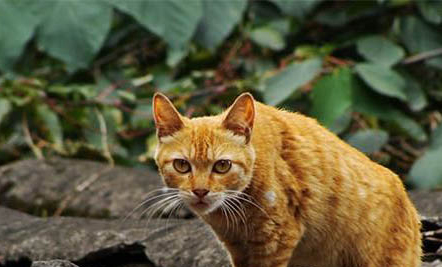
<point x="280" y="190"/>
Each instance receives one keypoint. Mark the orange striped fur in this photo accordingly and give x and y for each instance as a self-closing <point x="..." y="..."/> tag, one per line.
<point x="295" y="194"/>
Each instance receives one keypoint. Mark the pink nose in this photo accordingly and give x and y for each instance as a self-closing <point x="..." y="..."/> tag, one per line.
<point x="201" y="193"/>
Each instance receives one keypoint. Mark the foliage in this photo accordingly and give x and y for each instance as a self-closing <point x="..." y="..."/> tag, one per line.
<point x="78" y="76"/>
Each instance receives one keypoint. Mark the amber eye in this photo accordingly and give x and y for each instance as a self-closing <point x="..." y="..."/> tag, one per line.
<point x="181" y="165"/>
<point x="222" y="166"/>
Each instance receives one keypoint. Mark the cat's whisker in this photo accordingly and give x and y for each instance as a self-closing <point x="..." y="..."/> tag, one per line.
<point x="147" y="200"/>
<point x="235" y="214"/>
<point x="156" y="197"/>
<point x="230" y="218"/>
<point x="227" y="216"/>
<point x="185" y="195"/>
<point x="171" y="209"/>
<point x="235" y="211"/>
<point x="152" y="210"/>
<point x="242" y="214"/>
<point x="254" y="204"/>
<point x="234" y="218"/>
<point x="239" y="194"/>
<point x="240" y="211"/>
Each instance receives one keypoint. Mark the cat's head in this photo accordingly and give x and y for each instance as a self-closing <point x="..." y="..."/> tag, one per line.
<point x="208" y="159"/>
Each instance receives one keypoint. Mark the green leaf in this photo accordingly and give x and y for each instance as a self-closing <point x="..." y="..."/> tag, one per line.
<point x="419" y="37"/>
<point x="141" y="116"/>
<point x="341" y="123"/>
<point x="74" y="31"/>
<point x="51" y="124"/>
<point x="173" y="20"/>
<point x="103" y="126"/>
<point x="367" y="102"/>
<point x="409" y="126"/>
<point x="426" y="172"/>
<point x="416" y="98"/>
<point x="431" y="10"/>
<point x="74" y="91"/>
<point x="298" y="9"/>
<point x="380" y="50"/>
<point x="5" y="108"/>
<point x="175" y="55"/>
<point x="368" y="141"/>
<point x="126" y="95"/>
<point x="17" y="28"/>
<point x="282" y="85"/>
<point x="436" y="138"/>
<point x="283" y="26"/>
<point x="332" y="96"/>
<point x="332" y="17"/>
<point x="268" y="37"/>
<point x="219" y="18"/>
<point x="338" y="15"/>
<point x="382" y="79"/>
<point x="258" y="66"/>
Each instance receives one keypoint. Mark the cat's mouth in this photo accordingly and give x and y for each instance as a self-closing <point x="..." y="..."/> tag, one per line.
<point x="203" y="206"/>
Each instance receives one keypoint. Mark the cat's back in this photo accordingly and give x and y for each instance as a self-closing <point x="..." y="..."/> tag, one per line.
<point x="339" y="193"/>
<point x="306" y="145"/>
<point x="285" y="131"/>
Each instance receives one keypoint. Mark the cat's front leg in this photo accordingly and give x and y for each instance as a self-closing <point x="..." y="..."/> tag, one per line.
<point x="280" y="258"/>
<point x="272" y="254"/>
<point x="269" y="248"/>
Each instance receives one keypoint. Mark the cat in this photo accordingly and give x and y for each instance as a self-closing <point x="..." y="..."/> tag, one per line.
<point x="279" y="190"/>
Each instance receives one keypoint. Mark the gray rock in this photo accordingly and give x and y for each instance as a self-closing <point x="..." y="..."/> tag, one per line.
<point x="64" y="263"/>
<point x="428" y="203"/>
<point x="190" y="245"/>
<point x="53" y="263"/>
<point x="166" y="243"/>
<point x="436" y="263"/>
<point x="77" y="187"/>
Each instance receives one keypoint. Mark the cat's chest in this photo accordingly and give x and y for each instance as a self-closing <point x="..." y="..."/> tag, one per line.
<point x="318" y="249"/>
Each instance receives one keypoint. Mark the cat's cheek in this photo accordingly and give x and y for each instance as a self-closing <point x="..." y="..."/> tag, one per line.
<point x="230" y="181"/>
<point x="172" y="180"/>
<point x="237" y="179"/>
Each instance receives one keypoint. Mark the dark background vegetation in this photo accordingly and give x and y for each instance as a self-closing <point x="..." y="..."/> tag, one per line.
<point x="77" y="77"/>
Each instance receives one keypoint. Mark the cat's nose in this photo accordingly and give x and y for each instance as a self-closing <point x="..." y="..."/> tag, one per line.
<point x="201" y="193"/>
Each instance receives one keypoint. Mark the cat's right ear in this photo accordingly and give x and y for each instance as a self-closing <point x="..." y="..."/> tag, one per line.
<point x="167" y="118"/>
<point x="241" y="116"/>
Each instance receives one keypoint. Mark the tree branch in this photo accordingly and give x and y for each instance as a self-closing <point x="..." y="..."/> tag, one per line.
<point x="422" y="56"/>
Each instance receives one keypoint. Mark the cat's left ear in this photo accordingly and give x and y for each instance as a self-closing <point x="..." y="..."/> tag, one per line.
<point x="241" y="116"/>
<point x="167" y="118"/>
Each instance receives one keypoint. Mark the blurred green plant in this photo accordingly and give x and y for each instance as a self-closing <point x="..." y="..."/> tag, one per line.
<point x="78" y="76"/>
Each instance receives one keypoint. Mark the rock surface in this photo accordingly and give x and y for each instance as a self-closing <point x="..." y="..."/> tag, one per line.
<point x="436" y="263"/>
<point x="53" y="263"/>
<point x="163" y="243"/>
<point x="75" y="187"/>
<point x="428" y="203"/>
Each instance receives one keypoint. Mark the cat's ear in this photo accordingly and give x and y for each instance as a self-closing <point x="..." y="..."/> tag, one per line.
<point x="167" y="118"/>
<point x="241" y="116"/>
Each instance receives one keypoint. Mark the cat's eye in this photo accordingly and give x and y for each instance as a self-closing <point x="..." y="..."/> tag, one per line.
<point x="222" y="166"/>
<point x="181" y="165"/>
